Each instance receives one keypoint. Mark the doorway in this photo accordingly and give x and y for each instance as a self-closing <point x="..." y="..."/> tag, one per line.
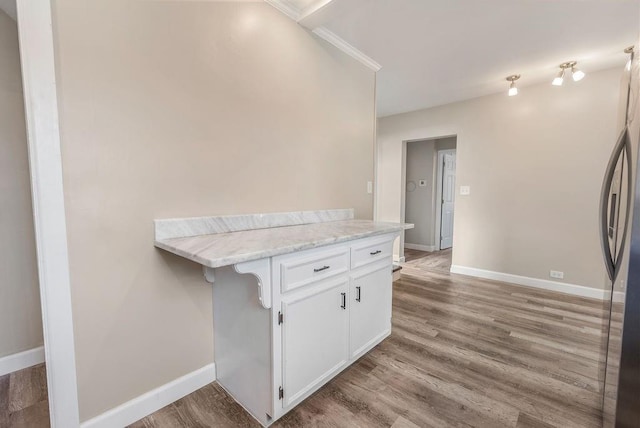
<point x="429" y="201"/>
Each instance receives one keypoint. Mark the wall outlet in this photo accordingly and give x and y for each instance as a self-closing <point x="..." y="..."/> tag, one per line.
<point x="465" y="190"/>
<point x="369" y="187"/>
<point x="556" y="274"/>
<point x="422" y="183"/>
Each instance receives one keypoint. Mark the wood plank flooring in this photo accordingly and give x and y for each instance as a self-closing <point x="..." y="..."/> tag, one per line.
<point x="23" y="399"/>
<point x="420" y="261"/>
<point x="464" y="352"/>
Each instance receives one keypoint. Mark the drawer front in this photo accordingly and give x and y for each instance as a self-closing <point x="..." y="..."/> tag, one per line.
<point x="371" y="250"/>
<point x="300" y="270"/>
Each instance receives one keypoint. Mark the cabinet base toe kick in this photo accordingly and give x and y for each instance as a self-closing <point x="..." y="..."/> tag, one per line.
<point x="312" y="314"/>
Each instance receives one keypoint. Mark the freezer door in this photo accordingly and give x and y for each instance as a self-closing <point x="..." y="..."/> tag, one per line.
<point x="614" y="205"/>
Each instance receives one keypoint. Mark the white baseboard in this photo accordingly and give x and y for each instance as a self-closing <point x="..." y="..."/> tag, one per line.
<point x="618" y="296"/>
<point x="419" y="247"/>
<point x="22" y="360"/>
<point x="136" y="409"/>
<point x="561" y="287"/>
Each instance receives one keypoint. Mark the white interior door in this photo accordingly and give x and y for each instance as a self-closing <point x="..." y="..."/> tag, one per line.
<point x="448" y="199"/>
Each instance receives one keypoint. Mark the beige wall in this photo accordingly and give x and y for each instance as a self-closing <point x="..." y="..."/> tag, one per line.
<point x="20" y="316"/>
<point x="173" y="109"/>
<point x="535" y="165"/>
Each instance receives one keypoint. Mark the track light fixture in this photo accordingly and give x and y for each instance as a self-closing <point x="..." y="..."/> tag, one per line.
<point x="629" y="51"/>
<point x="559" y="78"/>
<point x="512" y="85"/>
<point x="576" y="74"/>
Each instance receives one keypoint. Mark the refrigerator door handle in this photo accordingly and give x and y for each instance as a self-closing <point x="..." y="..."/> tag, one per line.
<point x="611" y="258"/>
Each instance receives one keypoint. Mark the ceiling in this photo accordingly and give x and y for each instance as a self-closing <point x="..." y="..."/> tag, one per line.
<point x="435" y="52"/>
<point x="9" y="6"/>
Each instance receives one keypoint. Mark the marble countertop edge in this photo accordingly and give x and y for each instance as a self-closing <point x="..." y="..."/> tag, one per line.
<point x="232" y="259"/>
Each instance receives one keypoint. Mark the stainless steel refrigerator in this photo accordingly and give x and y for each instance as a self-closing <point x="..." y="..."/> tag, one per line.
<point x="620" y="236"/>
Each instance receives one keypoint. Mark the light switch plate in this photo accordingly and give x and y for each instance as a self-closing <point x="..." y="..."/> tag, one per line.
<point x="556" y="274"/>
<point x="465" y="190"/>
<point x="422" y="183"/>
<point x="369" y="187"/>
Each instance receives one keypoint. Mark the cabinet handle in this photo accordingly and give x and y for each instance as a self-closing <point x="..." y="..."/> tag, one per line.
<point x="321" y="269"/>
<point x="373" y="253"/>
<point x="358" y="294"/>
<point x="344" y="301"/>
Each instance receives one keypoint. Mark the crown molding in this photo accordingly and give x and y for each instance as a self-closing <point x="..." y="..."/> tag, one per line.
<point x="312" y="9"/>
<point x="285" y="7"/>
<point x="345" y="47"/>
<point x="297" y="15"/>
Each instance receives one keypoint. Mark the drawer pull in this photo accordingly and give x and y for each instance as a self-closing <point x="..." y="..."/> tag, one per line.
<point x="373" y="253"/>
<point x="344" y="301"/>
<point x="358" y="293"/>
<point x="321" y="269"/>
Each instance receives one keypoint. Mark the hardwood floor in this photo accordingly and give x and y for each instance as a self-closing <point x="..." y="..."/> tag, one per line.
<point x="23" y="399"/>
<point x="424" y="262"/>
<point x="464" y="352"/>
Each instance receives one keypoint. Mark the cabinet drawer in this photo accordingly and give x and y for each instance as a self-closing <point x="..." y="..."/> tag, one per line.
<point x="302" y="269"/>
<point x="371" y="250"/>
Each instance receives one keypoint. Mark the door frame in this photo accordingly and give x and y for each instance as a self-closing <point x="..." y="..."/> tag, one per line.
<point x="35" y="33"/>
<point x="437" y="233"/>
<point x="403" y="185"/>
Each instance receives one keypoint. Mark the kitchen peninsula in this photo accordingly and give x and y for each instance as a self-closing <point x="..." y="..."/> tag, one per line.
<point x="317" y="298"/>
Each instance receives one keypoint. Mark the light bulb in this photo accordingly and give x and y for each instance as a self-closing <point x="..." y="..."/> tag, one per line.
<point x="559" y="79"/>
<point x="577" y="74"/>
<point x="512" y="84"/>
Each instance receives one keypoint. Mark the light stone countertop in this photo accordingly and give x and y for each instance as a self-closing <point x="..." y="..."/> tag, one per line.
<point x="224" y="249"/>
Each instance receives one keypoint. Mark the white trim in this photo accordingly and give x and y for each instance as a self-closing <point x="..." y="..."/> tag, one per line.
<point x="618" y="296"/>
<point x="154" y="400"/>
<point x="35" y="30"/>
<point x="375" y="148"/>
<point x="437" y="202"/>
<point x="345" y="47"/>
<point x="285" y="7"/>
<point x="403" y="195"/>
<point x="314" y="7"/>
<point x="397" y="259"/>
<point x="560" y="287"/>
<point x="419" y="247"/>
<point x="22" y="360"/>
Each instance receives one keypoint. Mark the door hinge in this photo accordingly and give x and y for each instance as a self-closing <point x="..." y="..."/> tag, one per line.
<point x="280" y="393"/>
<point x="280" y="318"/>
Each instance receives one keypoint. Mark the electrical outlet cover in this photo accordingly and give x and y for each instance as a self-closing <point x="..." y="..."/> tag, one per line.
<point x="556" y="274"/>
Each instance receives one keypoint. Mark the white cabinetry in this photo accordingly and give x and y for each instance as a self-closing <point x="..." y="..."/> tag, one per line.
<point x="315" y="337"/>
<point x="370" y="312"/>
<point x="330" y="305"/>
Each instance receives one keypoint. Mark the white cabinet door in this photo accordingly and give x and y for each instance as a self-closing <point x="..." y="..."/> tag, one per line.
<point x="370" y="308"/>
<point x="315" y="337"/>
